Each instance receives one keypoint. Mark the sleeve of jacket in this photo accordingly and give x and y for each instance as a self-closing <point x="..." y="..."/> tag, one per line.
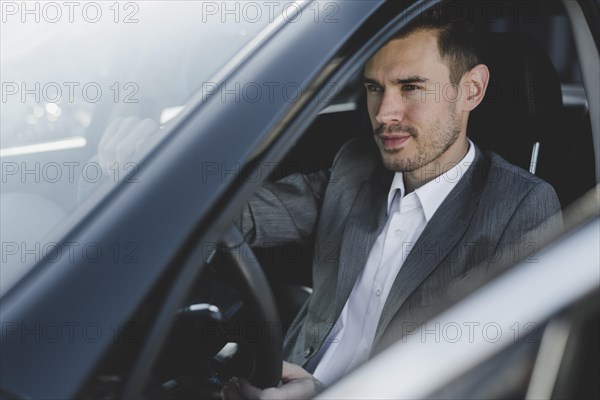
<point x="285" y="211"/>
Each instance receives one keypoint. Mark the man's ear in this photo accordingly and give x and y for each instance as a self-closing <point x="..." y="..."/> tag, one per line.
<point x="474" y="84"/>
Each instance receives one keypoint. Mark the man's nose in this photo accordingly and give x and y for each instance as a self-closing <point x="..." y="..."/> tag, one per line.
<point x="391" y="109"/>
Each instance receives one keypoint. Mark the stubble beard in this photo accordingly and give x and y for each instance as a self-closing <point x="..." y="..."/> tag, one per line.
<point x="427" y="148"/>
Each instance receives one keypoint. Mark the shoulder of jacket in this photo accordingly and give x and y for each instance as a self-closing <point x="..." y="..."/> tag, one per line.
<point x="358" y="150"/>
<point x="514" y="173"/>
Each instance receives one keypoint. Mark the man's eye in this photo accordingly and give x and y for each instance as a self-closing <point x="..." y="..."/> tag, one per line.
<point x="374" y="89"/>
<point x="409" y="88"/>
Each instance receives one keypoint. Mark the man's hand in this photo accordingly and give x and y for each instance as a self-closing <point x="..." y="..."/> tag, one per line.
<point x="297" y="384"/>
<point x="125" y="141"/>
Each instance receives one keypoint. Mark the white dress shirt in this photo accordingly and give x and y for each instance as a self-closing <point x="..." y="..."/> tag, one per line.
<point x="349" y="342"/>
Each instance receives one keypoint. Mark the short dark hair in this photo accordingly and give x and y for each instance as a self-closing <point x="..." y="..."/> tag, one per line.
<point x="456" y="39"/>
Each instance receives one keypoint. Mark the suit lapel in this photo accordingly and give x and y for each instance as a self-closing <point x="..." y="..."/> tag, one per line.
<point x="440" y="237"/>
<point x="364" y="223"/>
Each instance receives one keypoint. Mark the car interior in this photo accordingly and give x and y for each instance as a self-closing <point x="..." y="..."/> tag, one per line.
<point x="535" y="115"/>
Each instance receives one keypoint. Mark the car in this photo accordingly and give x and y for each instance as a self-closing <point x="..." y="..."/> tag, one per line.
<point x="132" y="281"/>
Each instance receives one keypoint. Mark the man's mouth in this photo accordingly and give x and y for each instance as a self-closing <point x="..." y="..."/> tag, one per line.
<point x="393" y="141"/>
<point x="394" y="136"/>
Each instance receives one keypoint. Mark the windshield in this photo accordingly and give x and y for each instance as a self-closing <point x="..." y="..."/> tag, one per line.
<point x="71" y="69"/>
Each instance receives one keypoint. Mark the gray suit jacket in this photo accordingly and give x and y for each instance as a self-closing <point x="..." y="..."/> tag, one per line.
<point x="489" y="209"/>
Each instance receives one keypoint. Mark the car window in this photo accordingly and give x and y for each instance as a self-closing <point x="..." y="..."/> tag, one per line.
<point x="70" y="70"/>
<point x="56" y="75"/>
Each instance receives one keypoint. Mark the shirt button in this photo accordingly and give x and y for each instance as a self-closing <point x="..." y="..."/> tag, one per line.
<point x="308" y="352"/>
<point x="398" y="232"/>
<point x="378" y="292"/>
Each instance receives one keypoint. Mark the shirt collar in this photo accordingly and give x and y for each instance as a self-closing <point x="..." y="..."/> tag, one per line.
<point x="432" y="194"/>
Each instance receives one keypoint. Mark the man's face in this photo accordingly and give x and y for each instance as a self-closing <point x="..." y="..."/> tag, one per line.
<point x="412" y="104"/>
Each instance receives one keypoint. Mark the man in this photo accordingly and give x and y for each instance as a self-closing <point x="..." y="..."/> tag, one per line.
<point x="409" y="217"/>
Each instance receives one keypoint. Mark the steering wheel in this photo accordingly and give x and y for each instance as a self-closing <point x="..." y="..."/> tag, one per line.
<point x="233" y="294"/>
<point x="269" y="345"/>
